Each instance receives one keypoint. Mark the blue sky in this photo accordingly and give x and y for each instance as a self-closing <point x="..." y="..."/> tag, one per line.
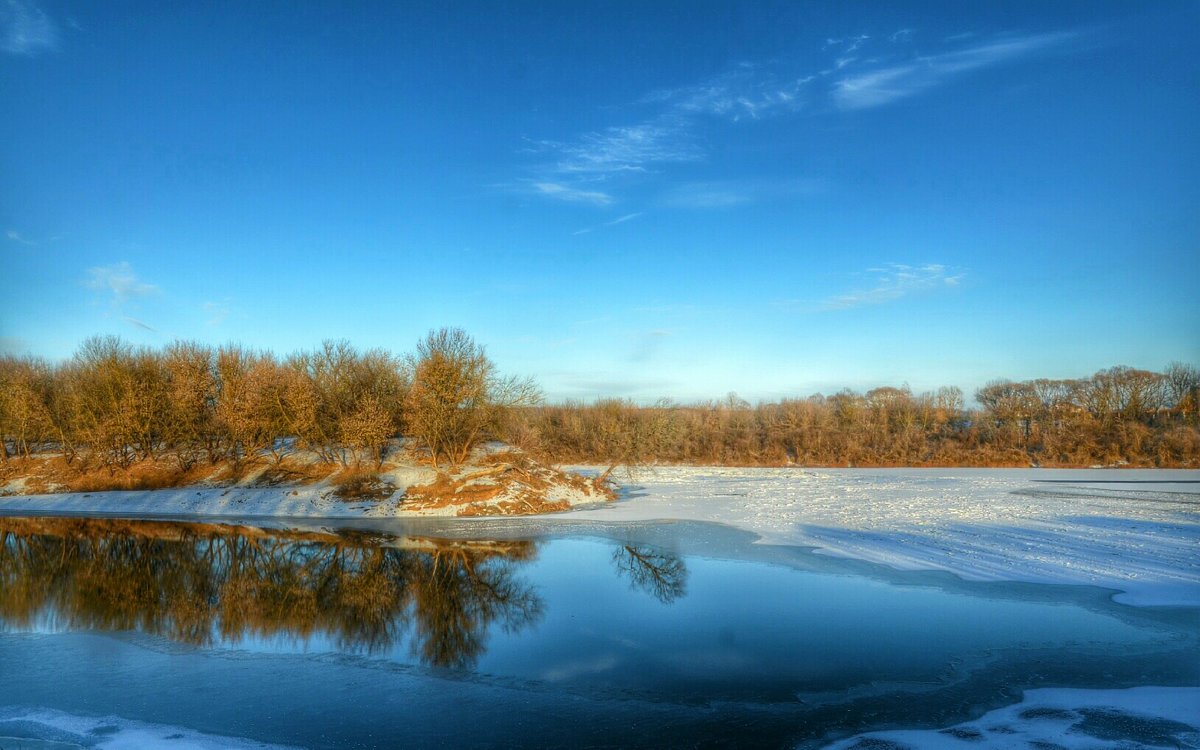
<point x="621" y="199"/>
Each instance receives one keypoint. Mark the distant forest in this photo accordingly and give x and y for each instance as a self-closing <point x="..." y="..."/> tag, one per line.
<point x="113" y="405"/>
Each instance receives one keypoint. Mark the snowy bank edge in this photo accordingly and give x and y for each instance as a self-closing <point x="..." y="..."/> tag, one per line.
<point x="1045" y="715"/>
<point x="116" y="732"/>
<point x="672" y="494"/>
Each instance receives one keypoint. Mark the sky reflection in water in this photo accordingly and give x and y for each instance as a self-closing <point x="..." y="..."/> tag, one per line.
<point x="781" y="653"/>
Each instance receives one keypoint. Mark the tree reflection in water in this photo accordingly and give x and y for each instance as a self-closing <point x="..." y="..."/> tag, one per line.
<point x="204" y="583"/>
<point x="209" y="583"/>
<point x="662" y="575"/>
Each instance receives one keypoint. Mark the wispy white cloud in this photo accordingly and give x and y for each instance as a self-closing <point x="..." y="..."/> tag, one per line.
<point x="746" y="92"/>
<point x="631" y="148"/>
<point x="571" y="194"/>
<point x="669" y="137"/>
<point x="623" y="219"/>
<point x="217" y="311"/>
<point x="647" y="345"/>
<point x="25" y="29"/>
<point x="846" y="44"/>
<point x="120" y="289"/>
<point x="614" y="222"/>
<point x="890" y="83"/>
<point x="707" y="195"/>
<point x="138" y="324"/>
<point x="731" y="193"/>
<point x="605" y="385"/>
<point x="15" y="236"/>
<point x="895" y="281"/>
<point x="118" y="283"/>
<point x="858" y="72"/>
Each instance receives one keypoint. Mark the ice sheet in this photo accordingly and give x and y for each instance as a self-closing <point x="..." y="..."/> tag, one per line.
<point x="1141" y="717"/>
<point x="55" y="730"/>
<point x="1137" y="531"/>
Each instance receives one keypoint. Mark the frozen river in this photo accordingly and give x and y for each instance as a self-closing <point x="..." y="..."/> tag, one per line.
<point x="555" y="632"/>
<point x="708" y="607"/>
<point x="1136" y="532"/>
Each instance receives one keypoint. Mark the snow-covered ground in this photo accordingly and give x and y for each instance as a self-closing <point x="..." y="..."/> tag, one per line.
<point x="1137" y="531"/>
<point x="47" y="729"/>
<point x="317" y="500"/>
<point x="1062" y="718"/>
<point x="310" y="501"/>
<point x="1134" y="531"/>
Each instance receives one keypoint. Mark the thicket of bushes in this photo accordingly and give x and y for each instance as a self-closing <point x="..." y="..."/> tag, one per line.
<point x="1117" y="416"/>
<point x="113" y="405"/>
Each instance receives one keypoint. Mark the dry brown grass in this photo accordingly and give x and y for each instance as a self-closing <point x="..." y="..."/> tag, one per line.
<point x="509" y="484"/>
<point x="522" y="506"/>
<point x="355" y="485"/>
<point x="275" y="473"/>
<point x="447" y="490"/>
<point x="145" y="475"/>
<point x="53" y="474"/>
<point x="505" y="483"/>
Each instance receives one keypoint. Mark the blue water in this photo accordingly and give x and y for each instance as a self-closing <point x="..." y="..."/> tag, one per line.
<point x="663" y="636"/>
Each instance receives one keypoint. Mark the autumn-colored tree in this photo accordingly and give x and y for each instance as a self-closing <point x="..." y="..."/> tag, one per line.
<point x="191" y="396"/>
<point x="624" y="435"/>
<point x="247" y="406"/>
<point x="368" y="428"/>
<point x="113" y="405"/>
<point x="25" y="414"/>
<point x="456" y="398"/>
<point x="1183" y="388"/>
<point x="358" y="398"/>
<point x="118" y="399"/>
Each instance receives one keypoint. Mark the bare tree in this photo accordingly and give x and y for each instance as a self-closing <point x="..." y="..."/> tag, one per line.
<point x="114" y="404"/>
<point x="368" y="428"/>
<point x="1183" y="388"/>
<point x="343" y="381"/>
<point x="118" y="399"/>
<point x="191" y="395"/>
<point x="456" y="398"/>
<point x="247" y="407"/>
<point x="25" y="416"/>
<point x="625" y="435"/>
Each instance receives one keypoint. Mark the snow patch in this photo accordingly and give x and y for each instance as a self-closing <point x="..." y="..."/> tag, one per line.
<point x="1067" y="719"/>
<point x="1137" y="531"/>
<point x="46" y="729"/>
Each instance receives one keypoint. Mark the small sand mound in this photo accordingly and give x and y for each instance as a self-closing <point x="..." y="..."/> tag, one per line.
<point x="502" y="484"/>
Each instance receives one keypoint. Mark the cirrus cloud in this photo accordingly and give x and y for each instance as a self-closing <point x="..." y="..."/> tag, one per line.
<point x="118" y="283"/>
<point x="25" y="29"/>
<point x="893" y="281"/>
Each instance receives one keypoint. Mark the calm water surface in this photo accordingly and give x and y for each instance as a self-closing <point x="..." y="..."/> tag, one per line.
<point x="654" y="635"/>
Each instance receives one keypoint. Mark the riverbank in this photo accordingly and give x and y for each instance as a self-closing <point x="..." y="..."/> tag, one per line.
<point x="495" y="481"/>
<point x="1133" y="531"/>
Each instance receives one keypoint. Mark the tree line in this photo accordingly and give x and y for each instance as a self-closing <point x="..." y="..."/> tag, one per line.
<point x="113" y="405"/>
<point x="1118" y="416"/>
